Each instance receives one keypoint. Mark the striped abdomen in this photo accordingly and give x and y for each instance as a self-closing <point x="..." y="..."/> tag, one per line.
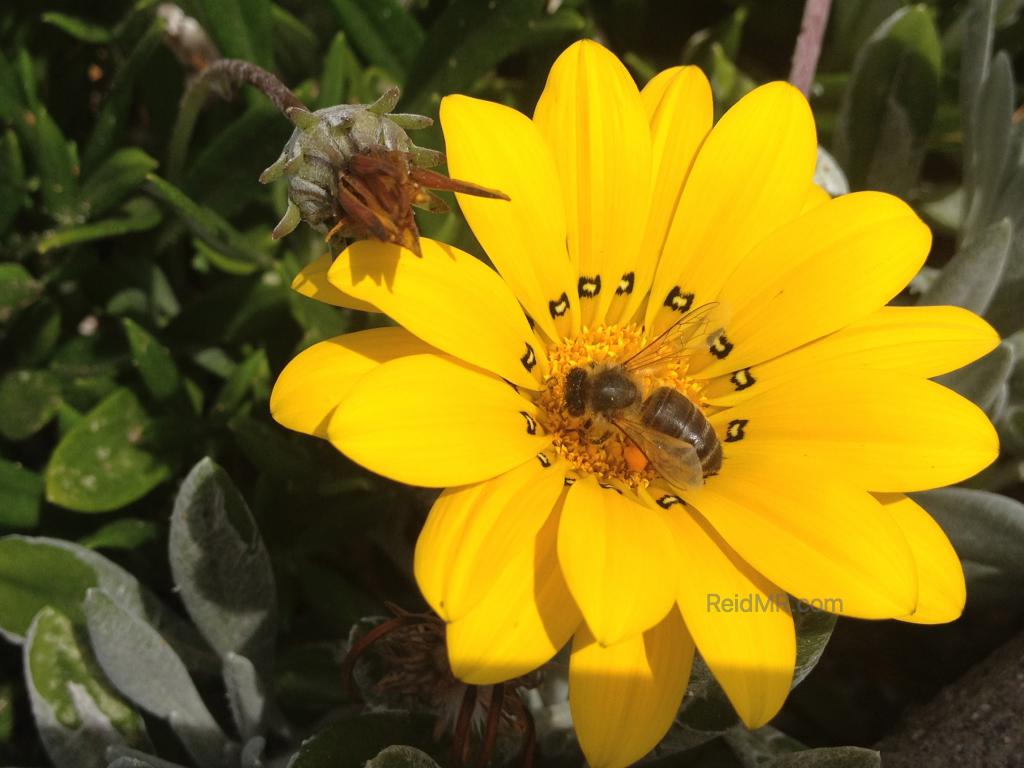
<point x="671" y="413"/>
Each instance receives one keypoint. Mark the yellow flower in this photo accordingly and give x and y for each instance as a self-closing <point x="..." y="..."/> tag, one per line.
<point x="627" y="210"/>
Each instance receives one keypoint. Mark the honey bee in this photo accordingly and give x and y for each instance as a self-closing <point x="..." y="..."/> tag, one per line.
<point x="668" y="429"/>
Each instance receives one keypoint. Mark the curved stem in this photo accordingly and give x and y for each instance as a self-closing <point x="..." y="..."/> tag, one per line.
<point x="221" y="76"/>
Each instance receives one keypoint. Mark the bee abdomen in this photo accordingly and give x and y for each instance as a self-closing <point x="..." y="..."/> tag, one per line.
<point x="672" y="413"/>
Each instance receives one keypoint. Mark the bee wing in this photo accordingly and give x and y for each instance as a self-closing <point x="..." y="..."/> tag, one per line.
<point x="702" y="324"/>
<point x="674" y="459"/>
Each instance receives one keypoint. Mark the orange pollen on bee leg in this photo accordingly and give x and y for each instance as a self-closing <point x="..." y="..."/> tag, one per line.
<point x="590" y="443"/>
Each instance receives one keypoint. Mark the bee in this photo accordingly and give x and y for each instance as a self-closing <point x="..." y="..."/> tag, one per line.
<point x="668" y="429"/>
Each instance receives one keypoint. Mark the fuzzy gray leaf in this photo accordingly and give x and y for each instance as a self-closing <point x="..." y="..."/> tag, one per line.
<point x="143" y="667"/>
<point x="221" y="567"/>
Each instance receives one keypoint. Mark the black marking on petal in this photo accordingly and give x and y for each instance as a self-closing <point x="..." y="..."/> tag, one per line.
<point x="679" y="301"/>
<point x="626" y="284"/>
<point x="742" y="379"/>
<point x="544" y="460"/>
<point x="560" y="306"/>
<point x="529" y="358"/>
<point x="569" y="480"/>
<point x="589" y="287"/>
<point x="734" y="432"/>
<point x="668" y="500"/>
<point x="720" y="347"/>
<point x="610" y="487"/>
<point x="531" y="423"/>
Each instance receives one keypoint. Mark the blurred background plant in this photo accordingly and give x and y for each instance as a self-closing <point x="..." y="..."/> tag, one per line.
<point x="145" y="309"/>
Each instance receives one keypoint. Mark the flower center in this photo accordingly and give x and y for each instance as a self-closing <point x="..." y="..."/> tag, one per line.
<point x="589" y="441"/>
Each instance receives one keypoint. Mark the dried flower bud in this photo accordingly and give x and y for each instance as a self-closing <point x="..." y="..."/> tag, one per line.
<point x="353" y="172"/>
<point x="403" y="662"/>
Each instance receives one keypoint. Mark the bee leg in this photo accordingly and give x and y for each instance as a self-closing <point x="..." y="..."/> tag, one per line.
<point x="602" y="438"/>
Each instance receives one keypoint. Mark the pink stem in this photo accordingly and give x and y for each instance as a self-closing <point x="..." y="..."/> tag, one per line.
<point x="808" y="44"/>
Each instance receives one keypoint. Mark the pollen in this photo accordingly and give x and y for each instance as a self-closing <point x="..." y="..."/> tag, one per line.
<point x="590" y="443"/>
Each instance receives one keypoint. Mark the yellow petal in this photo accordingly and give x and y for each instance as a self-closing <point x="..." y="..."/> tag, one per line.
<point x="318" y="378"/>
<point x="752" y="175"/>
<point x="524" y="620"/>
<point x="739" y="620"/>
<point x="592" y="117"/>
<point x="820" y="539"/>
<point x="817" y="196"/>
<point x="312" y="282"/>
<point x="450" y="300"/>
<point x="624" y="697"/>
<point x="885" y="431"/>
<point x="834" y="265"/>
<point x="474" y="531"/>
<point x="500" y="148"/>
<point x="680" y="109"/>
<point x="618" y="561"/>
<point x="922" y="341"/>
<point x="940" y="577"/>
<point x="431" y="420"/>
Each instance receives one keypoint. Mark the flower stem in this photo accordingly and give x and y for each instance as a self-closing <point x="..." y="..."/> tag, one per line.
<point x="808" y="44"/>
<point x="221" y="77"/>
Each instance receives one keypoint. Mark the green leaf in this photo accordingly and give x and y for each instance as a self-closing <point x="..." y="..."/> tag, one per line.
<point x="761" y="747"/>
<point x="147" y="671"/>
<point x="223" y="174"/>
<point x="203" y="223"/>
<point x="971" y="278"/>
<point x="850" y="25"/>
<point x="35" y="333"/>
<point x="55" y="163"/>
<point x="113" y="115"/>
<point x="247" y="376"/>
<point x="78" y="28"/>
<point x="706" y="707"/>
<point x="987" y="532"/>
<point x="36" y="572"/>
<point x="242" y="29"/>
<point x="127" y="534"/>
<point x="890" y="103"/>
<point x="76" y="711"/>
<point x="465" y="42"/>
<point x="984" y="381"/>
<point x="108" y="460"/>
<point x="137" y="215"/>
<point x="21" y="496"/>
<point x="12" y="180"/>
<point x="18" y="289"/>
<point x="119" y="175"/>
<point x="830" y="757"/>
<point x="33" y="576"/>
<point x="813" y="630"/>
<point x="11" y="102"/>
<point x="989" y="149"/>
<point x="153" y="361"/>
<point x="383" y="32"/>
<point x="247" y="698"/>
<point x="341" y="69"/>
<point x="296" y="47"/>
<point x="353" y="739"/>
<point x="28" y="401"/>
<point x="221" y="568"/>
<point x="399" y="756"/>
